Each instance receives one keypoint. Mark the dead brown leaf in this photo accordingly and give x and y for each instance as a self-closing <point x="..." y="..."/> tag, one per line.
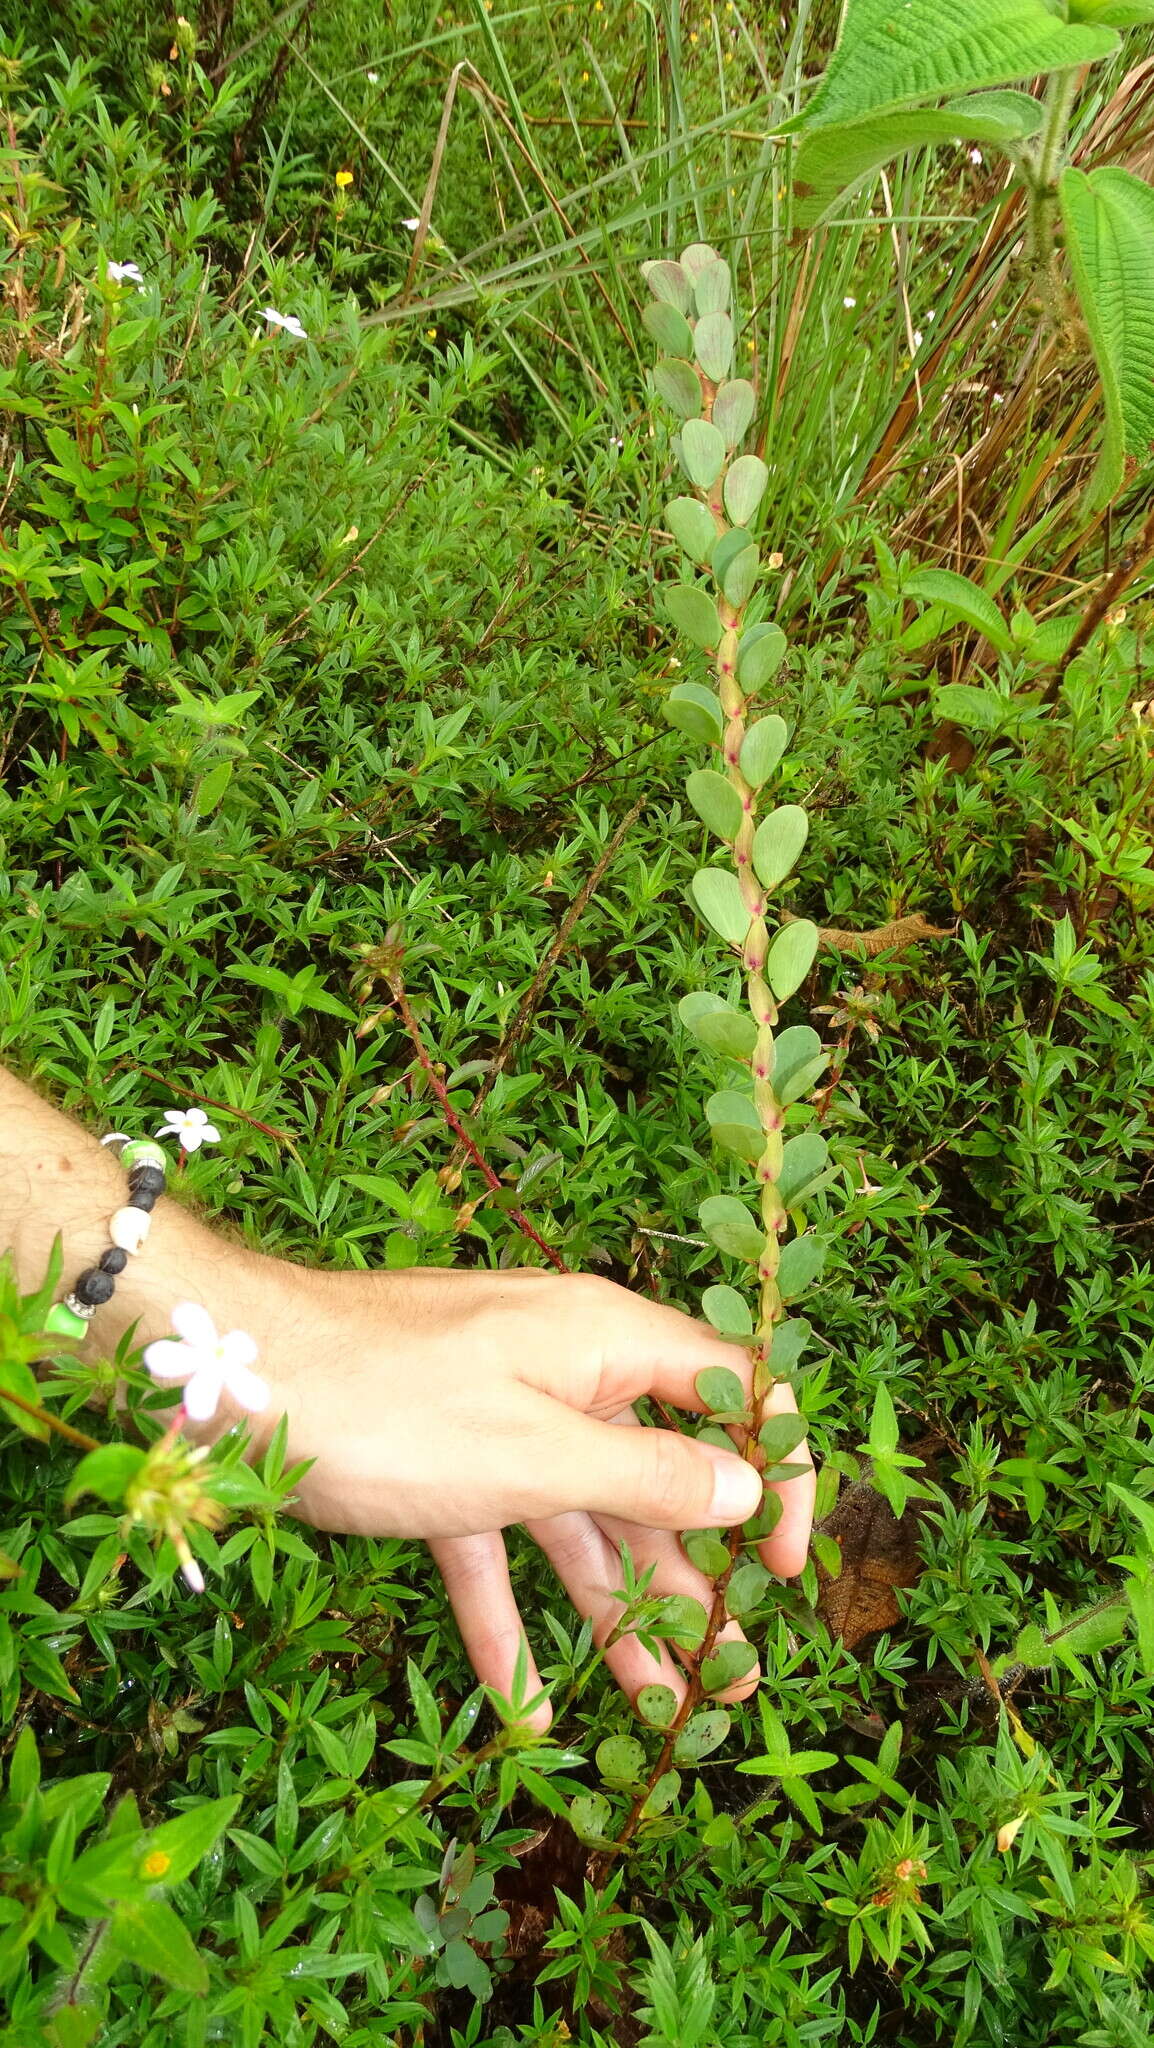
<point x="879" y="1553"/>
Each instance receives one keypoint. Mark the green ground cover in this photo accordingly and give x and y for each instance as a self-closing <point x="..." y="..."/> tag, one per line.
<point x="307" y="640"/>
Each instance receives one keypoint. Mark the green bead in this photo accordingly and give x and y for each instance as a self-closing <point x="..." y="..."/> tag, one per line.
<point x="144" y="1152"/>
<point x="62" y="1321"/>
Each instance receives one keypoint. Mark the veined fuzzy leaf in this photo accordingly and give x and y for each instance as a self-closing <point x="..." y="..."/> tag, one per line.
<point x="1109" y="218"/>
<point x="966" y="599"/>
<point x="676" y="382"/>
<point x="893" y="52"/>
<point x="712" y="285"/>
<point x="833" y="161"/>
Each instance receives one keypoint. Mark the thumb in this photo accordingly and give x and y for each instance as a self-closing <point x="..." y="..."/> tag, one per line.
<point x="656" y="1477"/>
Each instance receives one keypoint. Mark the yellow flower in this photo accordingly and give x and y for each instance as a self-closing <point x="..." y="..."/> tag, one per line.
<point x="432" y="333"/>
<point x="155" y="1864"/>
<point x="343" y="178"/>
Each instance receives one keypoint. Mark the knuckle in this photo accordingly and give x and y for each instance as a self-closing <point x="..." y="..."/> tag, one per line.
<point x="674" y="1490"/>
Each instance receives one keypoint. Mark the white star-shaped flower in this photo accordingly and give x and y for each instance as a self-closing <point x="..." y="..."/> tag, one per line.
<point x="413" y="223"/>
<point x="206" y="1365"/>
<point x="288" y="321"/>
<point x="125" y="273"/>
<point x="191" y="1126"/>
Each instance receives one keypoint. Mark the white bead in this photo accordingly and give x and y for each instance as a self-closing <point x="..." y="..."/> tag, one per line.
<point x="129" y="1229"/>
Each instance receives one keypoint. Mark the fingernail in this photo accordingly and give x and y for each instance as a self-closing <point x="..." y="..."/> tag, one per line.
<point x="736" y="1490"/>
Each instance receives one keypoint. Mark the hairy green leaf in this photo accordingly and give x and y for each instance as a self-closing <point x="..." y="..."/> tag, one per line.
<point x="1109" y="221"/>
<point x="965" y="599"/>
<point x="712" y="286"/>
<point x="713" y="345"/>
<point x="669" y="282"/>
<point x="833" y="161"/>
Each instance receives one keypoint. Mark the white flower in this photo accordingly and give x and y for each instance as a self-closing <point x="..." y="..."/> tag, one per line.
<point x="288" y="321"/>
<point x="206" y="1365"/>
<point x="976" y="157"/>
<point x="849" y="304"/>
<point x="413" y="223"/>
<point x="372" y="76"/>
<point x="125" y="273"/>
<point x="191" y="1126"/>
<point x="917" y="339"/>
<point x="998" y="399"/>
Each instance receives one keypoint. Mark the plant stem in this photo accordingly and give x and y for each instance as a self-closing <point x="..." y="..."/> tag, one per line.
<point x="1042" y="178"/>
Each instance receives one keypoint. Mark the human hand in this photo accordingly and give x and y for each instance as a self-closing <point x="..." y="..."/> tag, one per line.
<point x="447" y="1405"/>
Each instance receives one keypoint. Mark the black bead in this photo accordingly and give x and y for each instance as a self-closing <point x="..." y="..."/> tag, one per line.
<point x="113" y="1260"/>
<point x="146" y="1185"/>
<point x="93" y="1287"/>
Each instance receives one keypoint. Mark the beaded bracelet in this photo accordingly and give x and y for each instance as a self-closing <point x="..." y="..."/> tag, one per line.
<point x="147" y="1167"/>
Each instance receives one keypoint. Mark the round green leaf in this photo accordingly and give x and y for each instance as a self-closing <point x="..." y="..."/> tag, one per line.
<point x="802" y="1260"/>
<point x="702" y="452"/>
<point x="695" y="710"/>
<point x="706" y="1550"/>
<point x="693" y="612"/>
<point x="789" y="1341"/>
<point x="777" y="843"/>
<point x="763" y="745"/>
<point x="741" y="576"/>
<point x="790" y="957"/>
<point x="589" y="1816"/>
<point x="746" y="1587"/>
<point x="677" y="383"/>
<point x="733" y="410"/>
<point x="713" y="345"/>
<point x="726" y="546"/>
<point x="693" y="527"/>
<point x="702" y="1733"/>
<point x="715" y="1024"/>
<point x="794" y="1055"/>
<point x="683" y="1621"/>
<point x="744" y="486"/>
<point x="728" y="1312"/>
<point x="663" y="1794"/>
<point x="729" y="1664"/>
<point x="670" y="283"/>
<point x="759" y="656"/>
<point x="711" y="288"/>
<point x="780" y="1436"/>
<point x="621" y="1759"/>
<point x="718" y="898"/>
<point x="668" y="328"/>
<point x="719" y="1389"/>
<point x="697" y="258"/>
<point x="716" y="802"/>
<point x="735" y="1124"/>
<point x="728" y="1224"/>
<point x="804" y="1160"/>
<point x="656" y="1704"/>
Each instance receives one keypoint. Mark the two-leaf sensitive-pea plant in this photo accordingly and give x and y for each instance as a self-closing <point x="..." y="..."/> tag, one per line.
<point x="692" y="321"/>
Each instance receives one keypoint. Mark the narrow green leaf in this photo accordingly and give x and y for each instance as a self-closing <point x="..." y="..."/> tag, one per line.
<point x="151" y="1935"/>
<point x="963" y="598"/>
<point x="764" y="742"/>
<point x="716" y="802"/>
<point x="696" y="711"/>
<point x="702" y="452"/>
<point x="883" y="1423"/>
<point x="693" y="612"/>
<point x="745" y="484"/>
<point x="733" y="409"/>
<point x="677" y="383"/>
<point x="713" y="345"/>
<point x="693" y="527"/>
<point x="718" y="897"/>
<point x="778" y="842"/>
<point x="790" y="957"/>
<point x="759" y="656"/>
<point x="728" y="1224"/>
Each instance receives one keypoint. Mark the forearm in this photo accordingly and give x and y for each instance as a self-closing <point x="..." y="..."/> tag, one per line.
<point x="56" y="1178"/>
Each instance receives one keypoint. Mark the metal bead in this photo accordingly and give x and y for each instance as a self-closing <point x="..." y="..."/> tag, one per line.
<point x="84" y="1309"/>
<point x="129" y="1229"/>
